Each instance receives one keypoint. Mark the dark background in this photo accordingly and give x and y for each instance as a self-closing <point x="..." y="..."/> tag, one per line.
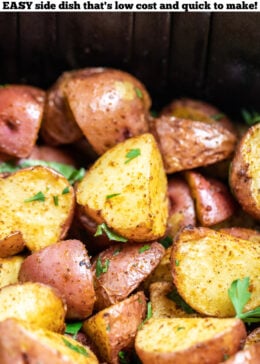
<point x="212" y="56"/>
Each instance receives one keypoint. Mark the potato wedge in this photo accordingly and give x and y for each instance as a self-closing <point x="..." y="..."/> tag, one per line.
<point x="250" y="355"/>
<point x="127" y="189"/>
<point x="109" y="107"/>
<point x="20" y="343"/>
<point x="120" y="269"/>
<point x="35" y="303"/>
<point x="12" y="244"/>
<point x="28" y="205"/>
<point x="189" y="340"/>
<point x="187" y="144"/>
<point x="245" y="172"/>
<point x="115" y="327"/>
<point x="66" y="266"/>
<point x="9" y="270"/>
<point x="21" y="109"/>
<point x="208" y="262"/>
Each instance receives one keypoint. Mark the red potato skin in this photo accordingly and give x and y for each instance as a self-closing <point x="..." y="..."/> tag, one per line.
<point x="65" y="266"/>
<point x="242" y="233"/>
<point x="12" y="244"/>
<point x="251" y="355"/>
<point x="21" y="110"/>
<point x="214" y="203"/>
<point x="128" y="267"/>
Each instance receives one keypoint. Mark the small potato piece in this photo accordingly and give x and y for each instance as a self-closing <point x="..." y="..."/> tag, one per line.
<point x="20" y="344"/>
<point x="245" y="172"/>
<point x="65" y="266"/>
<point x="129" y="194"/>
<point x="35" y="303"/>
<point x="43" y="221"/>
<point x="21" y="109"/>
<point x="208" y="262"/>
<point x="120" y="269"/>
<point x="11" y="244"/>
<point x="213" y="201"/>
<point x="187" y="144"/>
<point x="253" y="337"/>
<point x="109" y="107"/>
<point x="189" y="340"/>
<point x="242" y="233"/>
<point x="251" y="355"/>
<point x="9" y="270"/>
<point x="115" y="327"/>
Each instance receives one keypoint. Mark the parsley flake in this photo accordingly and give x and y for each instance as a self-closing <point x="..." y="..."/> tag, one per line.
<point x="56" y="200"/>
<point x="144" y="248"/>
<point x="177" y="262"/>
<point x="122" y="358"/>
<point x="110" y="234"/>
<point x="65" y="190"/>
<point x="112" y="195"/>
<point x="132" y="154"/>
<point x="250" y="118"/>
<point x="38" y="197"/>
<point x="117" y="251"/>
<point x="73" y="328"/>
<point x="77" y="348"/>
<point x="166" y="242"/>
<point x="101" y="268"/>
<point x="217" y="117"/>
<point x="138" y="92"/>
<point x="149" y="314"/>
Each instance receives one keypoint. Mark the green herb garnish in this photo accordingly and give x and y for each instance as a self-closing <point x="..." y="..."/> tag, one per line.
<point x="77" y="348"/>
<point x="111" y="236"/>
<point x="112" y="195"/>
<point x="66" y="190"/>
<point x="122" y="358"/>
<point x="175" y="297"/>
<point x="108" y="328"/>
<point x="117" y="251"/>
<point x="154" y="113"/>
<point x="132" y="154"/>
<point x="166" y="242"/>
<point x="138" y="92"/>
<point x="38" y="197"/>
<point x="217" y="117"/>
<point x="73" y="328"/>
<point x="250" y="118"/>
<point x="144" y="248"/>
<point x="239" y="296"/>
<point x="8" y="167"/>
<point x="180" y="328"/>
<point x="177" y="262"/>
<point x="56" y="200"/>
<point x="101" y="268"/>
<point x="149" y="314"/>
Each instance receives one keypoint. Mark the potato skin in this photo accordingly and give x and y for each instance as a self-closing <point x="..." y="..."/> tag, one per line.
<point x="65" y="266"/>
<point x="21" y="109"/>
<point x="250" y="355"/>
<point x="245" y="172"/>
<point x="12" y="244"/>
<point x="128" y="267"/>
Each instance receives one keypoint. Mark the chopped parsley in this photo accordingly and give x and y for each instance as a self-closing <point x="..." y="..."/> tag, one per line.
<point x="149" y="314"/>
<point x="138" y="92"/>
<point x="117" y="251"/>
<point x="38" y="197"/>
<point x="132" y="154"/>
<point x="56" y="200"/>
<point x="122" y="358"/>
<point x="65" y="190"/>
<point x="217" y="117"/>
<point x="177" y="262"/>
<point x="175" y="297"/>
<point x="110" y="234"/>
<point x="166" y="242"/>
<point x="144" y="248"/>
<point x="79" y="349"/>
<point x="250" y="118"/>
<point x="101" y="268"/>
<point x="112" y="195"/>
<point x="73" y="328"/>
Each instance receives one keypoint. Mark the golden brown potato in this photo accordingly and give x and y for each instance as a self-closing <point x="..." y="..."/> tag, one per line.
<point x="120" y="269"/>
<point x="205" y="263"/>
<point x="12" y="244"/>
<point x="201" y="143"/>
<point x="242" y="233"/>
<point x="214" y="203"/>
<point x="253" y="337"/>
<point x="20" y="344"/>
<point x="126" y="188"/>
<point x="21" y="109"/>
<point x="109" y="107"/>
<point x="65" y="266"/>
<point x="35" y="303"/>
<point x="245" y="172"/>
<point x="115" y="327"/>
<point x="9" y="270"/>
<point x="250" y="355"/>
<point x="33" y="203"/>
<point x="189" y="340"/>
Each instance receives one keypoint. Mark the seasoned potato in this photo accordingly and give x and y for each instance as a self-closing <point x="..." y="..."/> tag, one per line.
<point x="120" y="269"/>
<point x="245" y="172"/>
<point x="12" y="244"/>
<point x="109" y="107"/>
<point x="189" y="340"/>
<point x="21" y="109"/>
<point x="201" y="143"/>
<point x="207" y="263"/>
<point x="115" y="327"/>
<point x="9" y="270"/>
<point x="20" y="343"/>
<point x="37" y="304"/>
<point x="38" y="208"/>
<point x="127" y="189"/>
<point x="65" y="266"/>
<point x="213" y="201"/>
<point x="250" y="355"/>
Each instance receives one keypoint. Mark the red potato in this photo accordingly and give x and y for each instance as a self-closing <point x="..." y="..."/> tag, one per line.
<point x="213" y="201"/>
<point x="21" y="109"/>
<point x="119" y="269"/>
<point x="65" y="266"/>
<point x="12" y="244"/>
<point x="250" y="355"/>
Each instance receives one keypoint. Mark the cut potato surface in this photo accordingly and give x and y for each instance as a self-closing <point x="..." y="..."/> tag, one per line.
<point x="9" y="270"/>
<point x="33" y="209"/>
<point x="208" y="262"/>
<point x="132" y="173"/>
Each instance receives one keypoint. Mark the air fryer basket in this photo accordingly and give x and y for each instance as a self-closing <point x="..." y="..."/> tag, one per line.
<point x="212" y="56"/>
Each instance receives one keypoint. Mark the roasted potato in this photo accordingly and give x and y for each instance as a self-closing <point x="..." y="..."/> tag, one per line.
<point x="115" y="327"/>
<point x="21" y="109"/>
<point x="33" y="203"/>
<point x="245" y="172"/>
<point x="12" y="244"/>
<point x="9" y="270"/>
<point x="250" y="355"/>
<point x="35" y="303"/>
<point x="205" y="263"/>
<point x="187" y="144"/>
<point x="20" y="343"/>
<point x="65" y="266"/>
<point x="120" y="269"/>
<point x="126" y="188"/>
<point x="189" y="340"/>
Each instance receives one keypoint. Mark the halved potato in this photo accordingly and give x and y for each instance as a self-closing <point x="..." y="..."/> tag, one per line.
<point x="205" y="263"/>
<point x="33" y="203"/>
<point x="35" y="303"/>
<point x="9" y="270"/>
<point x="127" y="189"/>
<point x="12" y="244"/>
<point x="20" y="343"/>
<point x="189" y="340"/>
<point x="250" y="355"/>
<point x="245" y="172"/>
